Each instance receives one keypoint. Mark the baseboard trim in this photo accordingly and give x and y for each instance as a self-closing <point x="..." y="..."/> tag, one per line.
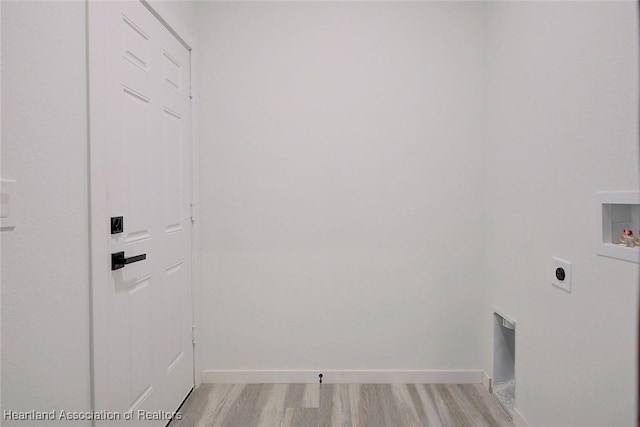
<point x="518" y="419"/>
<point x="486" y="381"/>
<point x="467" y="376"/>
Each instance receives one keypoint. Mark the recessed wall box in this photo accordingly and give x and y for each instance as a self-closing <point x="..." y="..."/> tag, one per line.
<point x="504" y="361"/>
<point x="615" y="212"/>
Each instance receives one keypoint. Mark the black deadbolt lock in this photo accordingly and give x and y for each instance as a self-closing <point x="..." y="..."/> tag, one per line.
<point x="560" y="274"/>
<point x="117" y="224"/>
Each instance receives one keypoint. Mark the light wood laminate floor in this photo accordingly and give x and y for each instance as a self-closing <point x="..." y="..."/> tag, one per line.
<point x="366" y="405"/>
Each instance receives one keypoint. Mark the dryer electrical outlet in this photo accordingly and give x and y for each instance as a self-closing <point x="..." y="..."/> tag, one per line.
<point x="561" y="274"/>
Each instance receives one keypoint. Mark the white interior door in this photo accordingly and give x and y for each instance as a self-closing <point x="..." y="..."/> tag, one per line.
<point x="141" y="171"/>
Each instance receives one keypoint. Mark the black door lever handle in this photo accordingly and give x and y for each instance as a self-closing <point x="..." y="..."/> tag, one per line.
<point x="118" y="260"/>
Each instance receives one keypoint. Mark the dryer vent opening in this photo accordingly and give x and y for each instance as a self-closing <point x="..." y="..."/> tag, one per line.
<point x="504" y="360"/>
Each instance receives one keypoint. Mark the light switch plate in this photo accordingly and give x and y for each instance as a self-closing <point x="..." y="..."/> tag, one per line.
<point x="7" y="205"/>
<point x="565" y="284"/>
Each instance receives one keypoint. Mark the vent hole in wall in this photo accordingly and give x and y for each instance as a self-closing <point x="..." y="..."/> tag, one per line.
<point x="504" y="360"/>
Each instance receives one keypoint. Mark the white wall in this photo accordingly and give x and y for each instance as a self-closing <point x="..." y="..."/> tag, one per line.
<point x="340" y="186"/>
<point x="563" y="124"/>
<point x="45" y="271"/>
<point x="343" y="166"/>
<point x="179" y="13"/>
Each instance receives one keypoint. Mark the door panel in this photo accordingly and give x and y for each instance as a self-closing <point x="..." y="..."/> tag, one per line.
<point x="173" y="171"/>
<point x="141" y="347"/>
<point x="136" y="46"/>
<point x="172" y="72"/>
<point x="175" y="312"/>
<point x="140" y="122"/>
<point x="134" y="168"/>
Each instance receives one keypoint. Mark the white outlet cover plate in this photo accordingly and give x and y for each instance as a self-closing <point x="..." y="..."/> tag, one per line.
<point x="565" y="285"/>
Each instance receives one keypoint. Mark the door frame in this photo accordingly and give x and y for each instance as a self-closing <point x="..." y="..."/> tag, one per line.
<point x="98" y="245"/>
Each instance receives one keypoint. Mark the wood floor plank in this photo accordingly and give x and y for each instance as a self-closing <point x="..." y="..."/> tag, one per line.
<point x="438" y="413"/>
<point x="335" y="406"/>
<point x="193" y="407"/>
<point x="274" y="408"/>
<point x="404" y="404"/>
<point x="354" y="403"/>
<point x="311" y="396"/>
<point x="295" y="395"/>
<point x="468" y="406"/>
<point x="244" y="410"/>
<point x="457" y="413"/>
<point x="371" y="410"/>
<point x="422" y="407"/>
<point x="341" y="405"/>
<point x="491" y="409"/>
<point x="300" y="417"/>
<point x="221" y="401"/>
